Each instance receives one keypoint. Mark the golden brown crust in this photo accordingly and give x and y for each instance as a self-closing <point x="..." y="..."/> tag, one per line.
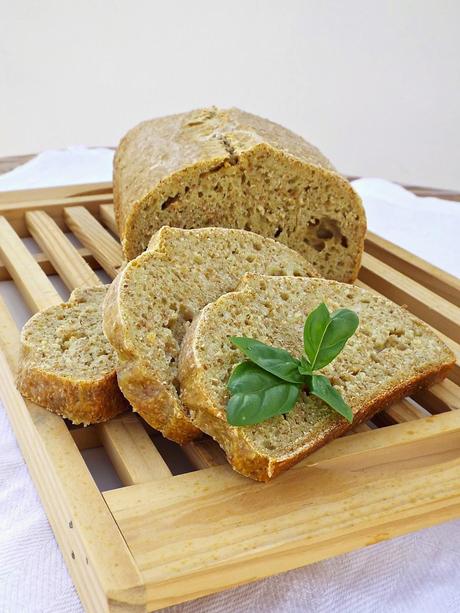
<point x="158" y="156"/>
<point x="83" y="401"/>
<point x="148" y="397"/>
<point x="175" y="142"/>
<point x="262" y="467"/>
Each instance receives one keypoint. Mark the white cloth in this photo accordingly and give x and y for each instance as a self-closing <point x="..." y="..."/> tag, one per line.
<point x="418" y="572"/>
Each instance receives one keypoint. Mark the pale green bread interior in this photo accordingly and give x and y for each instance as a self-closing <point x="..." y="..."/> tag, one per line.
<point x="162" y="290"/>
<point x="68" y="340"/>
<point x="389" y="348"/>
<point x="311" y="210"/>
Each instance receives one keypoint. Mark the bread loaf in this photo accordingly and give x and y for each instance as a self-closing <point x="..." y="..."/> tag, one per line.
<point x="229" y="168"/>
<point x="66" y="364"/>
<point x="153" y="300"/>
<point x="390" y="356"/>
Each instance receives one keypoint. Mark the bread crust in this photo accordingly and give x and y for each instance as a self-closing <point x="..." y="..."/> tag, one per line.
<point x="158" y="157"/>
<point x="82" y="401"/>
<point x="148" y="396"/>
<point x="241" y="455"/>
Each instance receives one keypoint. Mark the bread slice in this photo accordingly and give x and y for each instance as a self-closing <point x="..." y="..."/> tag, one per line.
<point x="66" y="364"/>
<point x="213" y="167"/>
<point x="391" y="355"/>
<point x="153" y="300"/>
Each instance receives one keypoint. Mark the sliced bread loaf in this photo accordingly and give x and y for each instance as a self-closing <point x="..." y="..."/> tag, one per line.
<point x="66" y="364"/>
<point x="153" y="300"/>
<point x="391" y="355"/>
<point x="214" y="167"/>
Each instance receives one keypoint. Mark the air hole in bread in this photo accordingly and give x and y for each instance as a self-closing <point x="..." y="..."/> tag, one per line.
<point x="324" y="233"/>
<point x="186" y="312"/>
<point x="176" y="384"/>
<point x="169" y="201"/>
<point x="319" y="245"/>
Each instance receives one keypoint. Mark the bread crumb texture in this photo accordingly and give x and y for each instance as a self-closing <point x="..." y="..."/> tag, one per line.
<point x="152" y="302"/>
<point x="66" y="364"/>
<point x="214" y="167"/>
<point x="391" y="354"/>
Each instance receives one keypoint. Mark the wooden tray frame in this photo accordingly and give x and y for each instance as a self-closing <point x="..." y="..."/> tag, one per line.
<point x="163" y="539"/>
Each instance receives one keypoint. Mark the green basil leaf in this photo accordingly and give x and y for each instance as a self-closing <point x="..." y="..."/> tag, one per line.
<point x="321" y="387"/>
<point x="325" y="335"/>
<point x="258" y="395"/>
<point x="276" y="361"/>
<point x="313" y="331"/>
<point x="305" y="366"/>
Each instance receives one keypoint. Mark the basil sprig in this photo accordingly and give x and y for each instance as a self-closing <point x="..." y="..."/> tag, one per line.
<point x="270" y="381"/>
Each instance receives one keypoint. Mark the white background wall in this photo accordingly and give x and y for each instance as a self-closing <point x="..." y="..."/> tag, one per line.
<point x="375" y="84"/>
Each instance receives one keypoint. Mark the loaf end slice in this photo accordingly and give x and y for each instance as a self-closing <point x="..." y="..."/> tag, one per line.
<point x="66" y="364"/>
<point x="225" y="167"/>
<point x="391" y="355"/>
<point x="154" y="298"/>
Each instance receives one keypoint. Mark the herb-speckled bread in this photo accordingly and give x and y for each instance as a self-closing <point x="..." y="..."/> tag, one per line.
<point x="391" y="355"/>
<point x="153" y="300"/>
<point x="214" y="167"/>
<point x="66" y="364"/>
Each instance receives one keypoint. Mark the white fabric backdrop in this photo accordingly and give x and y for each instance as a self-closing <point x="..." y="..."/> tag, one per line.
<point x="419" y="572"/>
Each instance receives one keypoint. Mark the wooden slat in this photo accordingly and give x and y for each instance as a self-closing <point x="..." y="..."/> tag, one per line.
<point x="66" y="260"/>
<point x="204" y="453"/>
<point x="31" y="281"/>
<point x="88" y="537"/>
<point x="425" y="430"/>
<point x="433" y="309"/>
<point x="62" y="192"/>
<point x="95" y="237"/>
<point x="108" y="217"/>
<point x="405" y="411"/>
<point x="47" y="267"/>
<point x="15" y="212"/>
<point x="133" y="454"/>
<point x="357" y="491"/>
<point x="431" y="277"/>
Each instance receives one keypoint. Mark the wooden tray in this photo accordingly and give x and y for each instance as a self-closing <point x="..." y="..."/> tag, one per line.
<point x="183" y="524"/>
